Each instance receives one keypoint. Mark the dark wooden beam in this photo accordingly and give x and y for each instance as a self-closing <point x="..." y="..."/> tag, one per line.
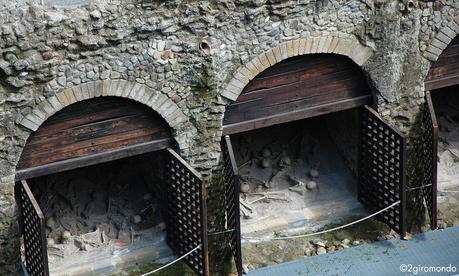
<point x="94" y="159"/>
<point x="441" y="83"/>
<point x="296" y="115"/>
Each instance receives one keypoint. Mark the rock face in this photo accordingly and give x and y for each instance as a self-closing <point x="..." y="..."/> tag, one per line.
<point x="188" y="52"/>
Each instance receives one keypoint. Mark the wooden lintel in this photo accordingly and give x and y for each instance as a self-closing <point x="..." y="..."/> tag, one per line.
<point x="94" y="159"/>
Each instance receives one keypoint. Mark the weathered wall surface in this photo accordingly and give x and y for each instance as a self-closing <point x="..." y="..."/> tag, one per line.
<point x="188" y="52"/>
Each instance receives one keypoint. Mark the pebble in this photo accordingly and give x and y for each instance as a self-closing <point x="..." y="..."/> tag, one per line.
<point x="355" y="243"/>
<point x="346" y="241"/>
<point x="318" y="242"/>
<point x="321" y="250"/>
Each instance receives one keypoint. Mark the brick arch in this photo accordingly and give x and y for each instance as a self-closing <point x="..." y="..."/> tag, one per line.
<point x="442" y="39"/>
<point x="160" y="103"/>
<point x="312" y="45"/>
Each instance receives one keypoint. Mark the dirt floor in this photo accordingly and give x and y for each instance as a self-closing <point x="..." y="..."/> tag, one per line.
<point x="293" y="180"/>
<point x="107" y="212"/>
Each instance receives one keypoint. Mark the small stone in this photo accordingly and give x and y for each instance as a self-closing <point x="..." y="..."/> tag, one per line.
<point x="161" y="44"/>
<point x="355" y="243"/>
<point x="311" y="185"/>
<point x="321" y="250"/>
<point x="346" y="241"/>
<point x="95" y="14"/>
<point x="137" y="219"/>
<point x="331" y="249"/>
<point x="318" y="242"/>
<point x="245" y="268"/>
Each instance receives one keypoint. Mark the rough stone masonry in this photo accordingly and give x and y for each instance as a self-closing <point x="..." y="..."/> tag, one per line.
<point x="189" y="54"/>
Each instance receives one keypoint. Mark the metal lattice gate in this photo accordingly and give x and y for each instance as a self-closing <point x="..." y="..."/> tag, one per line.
<point x="429" y="155"/>
<point x="186" y="217"/>
<point x="233" y="224"/>
<point x="33" y="231"/>
<point x="382" y="177"/>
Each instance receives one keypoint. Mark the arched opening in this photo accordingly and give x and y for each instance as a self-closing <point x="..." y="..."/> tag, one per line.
<point x="99" y="189"/>
<point x="441" y="127"/>
<point x="303" y="151"/>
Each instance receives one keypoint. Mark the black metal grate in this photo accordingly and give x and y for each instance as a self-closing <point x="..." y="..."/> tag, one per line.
<point x="382" y="169"/>
<point x="429" y="155"/>
<point x="186" y="213"/>
<point x="33" y="231"/>
<point x="232" y="202"/>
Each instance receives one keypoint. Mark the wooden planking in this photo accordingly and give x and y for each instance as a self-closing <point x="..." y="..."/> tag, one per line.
<point x="445" y="71"/>
<point x="92" y="127"/>
<point x="298" y="88"/>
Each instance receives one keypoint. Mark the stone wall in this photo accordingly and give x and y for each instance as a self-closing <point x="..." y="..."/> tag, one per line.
<point x="191" y="54"/>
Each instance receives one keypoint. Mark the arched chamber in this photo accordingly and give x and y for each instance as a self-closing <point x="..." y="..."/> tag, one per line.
<point x="441" y="125"/>
<point x="100" y="188"/>
<point x="304" y="150"/>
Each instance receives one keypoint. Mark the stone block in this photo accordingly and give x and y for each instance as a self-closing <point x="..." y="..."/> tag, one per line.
<point x="277" y="53"/>
<point x="302" y="46"/>
<point x="307" y="46"/>
<point x="113" y="87"/>
<point x="98" y="88"/>
<point x="159" y="100"/>
<point x="246" y="73"/>
<point x="438" y="43"/>
<point x="271" y="57"/>
<point x="263" y="59"/>
<point x="47" y="108"/>
<point x="34" y="119"/>
<point x="62" y="97"/>
<point x="105" y="87"/>
<point x="296" y="47"/>
<point x="360" y="54"/>
<point x="29" y="124"/>
<point x="78" y="93"/>
<point x="290" y="50"/>
<point x="284" y="51"/>
<point x="70" y="95"/>
<point x="443" y="37"/>
<point x="54" y="102"/>
<point x="449" y="31"/>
